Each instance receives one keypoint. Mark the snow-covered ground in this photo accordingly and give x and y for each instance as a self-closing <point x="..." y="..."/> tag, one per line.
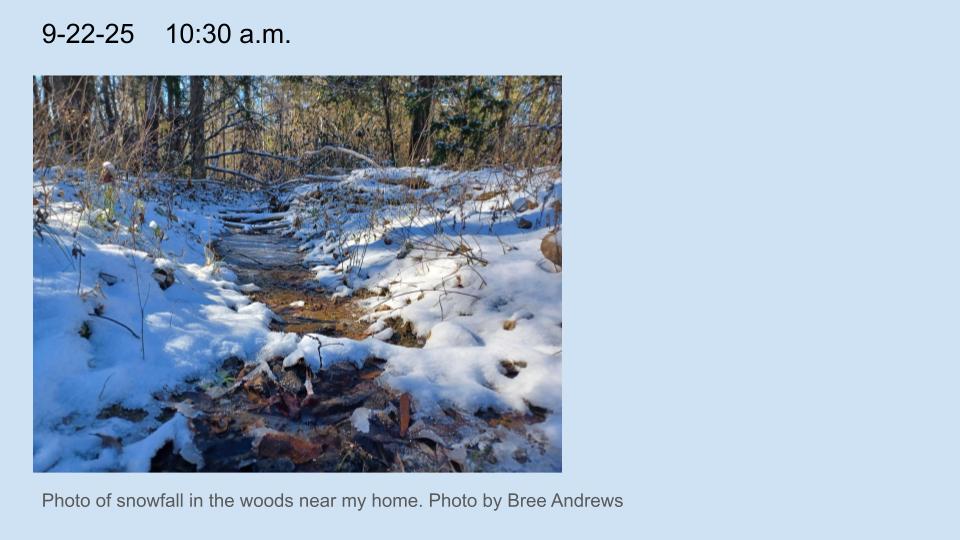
<point x="92" y="347"/>
<point x="455" y="255"/>
<point x="452" y="259"/>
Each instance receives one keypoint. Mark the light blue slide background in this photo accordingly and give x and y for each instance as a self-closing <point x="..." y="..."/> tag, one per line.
<point x="761" y="289"/>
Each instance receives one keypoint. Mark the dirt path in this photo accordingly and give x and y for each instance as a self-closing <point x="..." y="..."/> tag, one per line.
<point x="272" y="263"/>
<point x="291" y="419"/>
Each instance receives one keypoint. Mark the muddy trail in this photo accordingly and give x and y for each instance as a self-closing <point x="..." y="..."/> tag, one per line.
<point x="272" y="263"/>
<point x="263" y="417"/>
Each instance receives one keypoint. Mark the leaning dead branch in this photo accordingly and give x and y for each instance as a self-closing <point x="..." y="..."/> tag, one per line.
<point x="114" y="321"/>
<point x="244" y="151"/>
<point x="347" y="151"/>
<point x="240" y="174"/>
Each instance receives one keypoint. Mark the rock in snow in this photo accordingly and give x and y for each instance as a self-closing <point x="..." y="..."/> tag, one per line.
<point x="552" y="248"/>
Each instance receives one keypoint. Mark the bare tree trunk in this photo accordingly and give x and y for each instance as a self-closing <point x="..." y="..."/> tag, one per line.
<point x="46" y="82"/>
<point x="504" y="119"/>
<point x="420" y="123"/>
<point x="106" y="99"/>
<point x="72" y="106"/>
<point x="152" y="122"/>
<point x="37" y="103"/>
<point x="41" y="123"/>
<point x="385" y="96"/>
<point x="174" y="145"/>
<point x="280" y="140"/>
<point x="197" y="141"/>
<point x="246" y="130"/>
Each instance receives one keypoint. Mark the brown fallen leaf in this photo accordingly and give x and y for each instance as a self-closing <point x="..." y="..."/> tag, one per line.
<point x="370" y="374"/>
<point x="283" y="445"/>
<point x="219" y="423"/>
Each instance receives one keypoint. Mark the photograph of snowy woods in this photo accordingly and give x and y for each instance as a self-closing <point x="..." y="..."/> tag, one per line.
<point x="309" y="274"/>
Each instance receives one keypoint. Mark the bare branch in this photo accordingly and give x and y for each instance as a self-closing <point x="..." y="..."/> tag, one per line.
<point x="346" y="151"/>
<point x="114" y="321"/>
<point x="251" y="153"/>
<point x="243" y="175"/>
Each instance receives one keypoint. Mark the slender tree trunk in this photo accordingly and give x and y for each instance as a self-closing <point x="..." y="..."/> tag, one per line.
<point x="420" y="122"/>
<point x="281" y="106"/>
<point x="73" y="99"/>
<point x="152" y="122"/>
<point x="40" y="122"/>
<point x="46" y="82"/>
<point x="37" y="103"/>
<point x="505" y="112"/>
<point x="385" y="96"/>
<point x="174" y="146"/>
<point x="106" y="99"/>
<point x="47" y="86"/>
<point x="197" y="141"/>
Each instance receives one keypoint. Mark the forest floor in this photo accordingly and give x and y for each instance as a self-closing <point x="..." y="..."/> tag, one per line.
<point x="252" y="352"/>
<point x="290" y="418"/>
